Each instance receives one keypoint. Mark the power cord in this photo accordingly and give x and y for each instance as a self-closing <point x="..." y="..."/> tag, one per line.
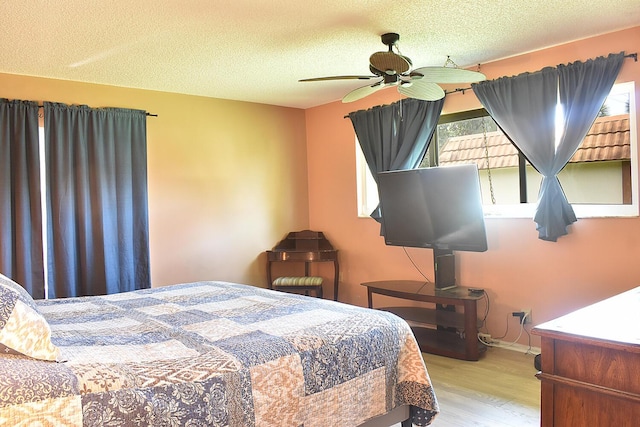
<point x="529" y="341"/>
<point x="522" y="322"/>
<point x="483" y="323"/>
<point x="492" y="343"/>
<point x="485" y="296"/>
<point x="415" y="265"/>
<point x="506" y="331"/>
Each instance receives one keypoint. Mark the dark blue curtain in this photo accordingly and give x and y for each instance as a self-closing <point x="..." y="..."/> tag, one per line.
<point x="396" y="136"/>
<point x="524" y="107"/>
<point x="20" y="202"/>
<point x="98" y="238"/>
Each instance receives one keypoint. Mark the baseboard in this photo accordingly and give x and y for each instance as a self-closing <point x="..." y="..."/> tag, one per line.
<point x="520" y="348"/>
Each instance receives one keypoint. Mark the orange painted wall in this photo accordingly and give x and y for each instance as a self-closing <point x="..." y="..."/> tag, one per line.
<point x="598" y="258"/>
<point x="227" y="179"/>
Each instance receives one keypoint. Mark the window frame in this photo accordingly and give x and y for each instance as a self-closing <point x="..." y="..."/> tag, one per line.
<point x="525" y="209"/>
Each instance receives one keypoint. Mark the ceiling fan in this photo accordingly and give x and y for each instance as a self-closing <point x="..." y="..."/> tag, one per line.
<point x="394" y="69"/>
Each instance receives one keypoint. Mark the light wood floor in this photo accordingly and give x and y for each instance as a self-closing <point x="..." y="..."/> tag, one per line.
<point x="499" y="390"/>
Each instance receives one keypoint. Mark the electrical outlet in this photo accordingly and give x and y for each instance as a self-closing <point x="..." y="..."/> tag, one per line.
<point x="524" y="315"/>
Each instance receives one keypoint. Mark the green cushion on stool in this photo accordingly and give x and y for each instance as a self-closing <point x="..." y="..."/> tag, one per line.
<point x="298" y="281"/>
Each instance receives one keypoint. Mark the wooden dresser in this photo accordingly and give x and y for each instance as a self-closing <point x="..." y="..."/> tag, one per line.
<point x="591" y="365"/>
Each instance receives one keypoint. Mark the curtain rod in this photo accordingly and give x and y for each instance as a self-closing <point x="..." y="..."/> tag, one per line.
<point x="146" y="112"/>
<point x="464" y="89"/>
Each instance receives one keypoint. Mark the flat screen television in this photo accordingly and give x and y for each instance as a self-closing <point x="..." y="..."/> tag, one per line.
<point x="438" y="208"/>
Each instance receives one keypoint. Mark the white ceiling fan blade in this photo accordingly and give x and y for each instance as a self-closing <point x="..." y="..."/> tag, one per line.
<point x="447" y="75"/>
<point x="362" y="92"/>
<point x="421" y="89"/>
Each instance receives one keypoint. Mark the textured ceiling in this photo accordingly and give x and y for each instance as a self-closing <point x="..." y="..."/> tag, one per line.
<point x="257" y="50"/>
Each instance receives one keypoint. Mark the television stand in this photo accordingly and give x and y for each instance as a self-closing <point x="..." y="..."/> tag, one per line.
<point x="438" y="330"/>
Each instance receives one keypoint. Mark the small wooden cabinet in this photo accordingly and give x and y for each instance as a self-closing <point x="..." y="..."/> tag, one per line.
<point x="449" y="329"/>
<point x="591" y="365"/>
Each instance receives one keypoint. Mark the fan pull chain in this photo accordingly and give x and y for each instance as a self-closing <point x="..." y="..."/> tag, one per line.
<point x="486" y="156"/>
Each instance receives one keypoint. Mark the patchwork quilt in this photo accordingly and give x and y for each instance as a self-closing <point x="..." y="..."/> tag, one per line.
<point x="216" y="354"/>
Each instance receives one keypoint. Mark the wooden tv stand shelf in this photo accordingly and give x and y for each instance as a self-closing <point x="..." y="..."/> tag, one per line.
<point x="437" y="330"/>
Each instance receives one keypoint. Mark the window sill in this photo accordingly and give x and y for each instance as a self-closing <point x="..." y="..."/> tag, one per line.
<point x="528" y="210"/>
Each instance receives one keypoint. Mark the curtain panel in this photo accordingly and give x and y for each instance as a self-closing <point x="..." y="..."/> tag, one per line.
<point x="395" y="136"/>
<point x="524" y="107"/>
<point x="97" y="200"/>
<point x="20" y="202"/>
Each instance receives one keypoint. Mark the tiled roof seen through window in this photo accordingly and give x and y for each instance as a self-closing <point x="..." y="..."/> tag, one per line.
<point x="608" y="139"/>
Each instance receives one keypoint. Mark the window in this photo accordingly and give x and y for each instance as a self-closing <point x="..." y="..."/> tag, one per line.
<point x="43" y="204"/>
<point x="600" y="179"/>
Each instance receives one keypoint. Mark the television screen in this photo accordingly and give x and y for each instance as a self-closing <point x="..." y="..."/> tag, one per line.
<point x="438" y="207"/>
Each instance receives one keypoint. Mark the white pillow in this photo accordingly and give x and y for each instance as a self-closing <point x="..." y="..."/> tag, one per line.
<point x="23" y="330"/>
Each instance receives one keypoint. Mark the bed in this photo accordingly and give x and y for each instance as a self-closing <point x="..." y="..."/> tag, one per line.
<point x="207" y="354"/>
